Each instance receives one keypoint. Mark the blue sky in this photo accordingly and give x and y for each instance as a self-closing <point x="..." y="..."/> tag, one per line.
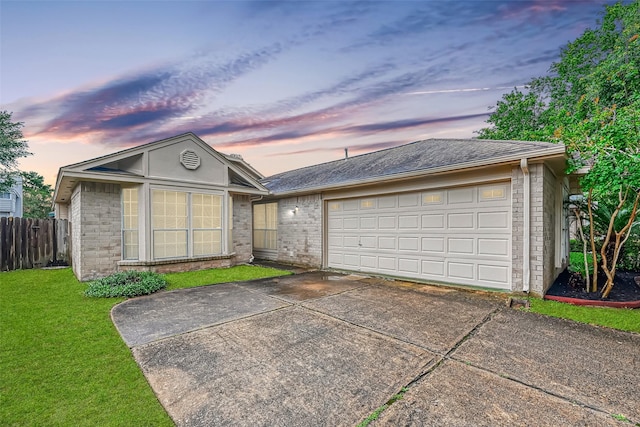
<point x="284" y="83"/>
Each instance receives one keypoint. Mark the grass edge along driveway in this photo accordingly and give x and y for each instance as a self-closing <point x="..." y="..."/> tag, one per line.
<point x="62" y="362"/>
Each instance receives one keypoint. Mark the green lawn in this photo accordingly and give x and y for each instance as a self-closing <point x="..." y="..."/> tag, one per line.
<point x="617" y="318"/>
<point x="62" y="361"/>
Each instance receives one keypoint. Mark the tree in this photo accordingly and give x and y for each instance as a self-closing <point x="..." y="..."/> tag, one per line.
<point x="12" y="147"/>
<point x="36" y="195"/>
<point x="590" y="101"/>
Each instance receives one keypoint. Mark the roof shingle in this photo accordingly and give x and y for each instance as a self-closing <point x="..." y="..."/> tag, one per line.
<point x="414" y="157"/>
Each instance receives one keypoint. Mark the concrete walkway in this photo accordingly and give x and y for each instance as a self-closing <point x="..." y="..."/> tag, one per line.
<point x="322" y="349"/>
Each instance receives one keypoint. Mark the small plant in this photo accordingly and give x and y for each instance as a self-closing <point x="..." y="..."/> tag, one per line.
<point x="126" y="284"/>
<point x="621" y="417"/>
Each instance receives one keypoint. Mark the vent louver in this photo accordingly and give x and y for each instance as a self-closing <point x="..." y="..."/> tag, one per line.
<point x="190" y="159"/>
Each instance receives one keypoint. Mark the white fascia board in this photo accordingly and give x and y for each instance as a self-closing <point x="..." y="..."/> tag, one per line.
<point x="134" y="179"/>
<point x="513" y="158"/>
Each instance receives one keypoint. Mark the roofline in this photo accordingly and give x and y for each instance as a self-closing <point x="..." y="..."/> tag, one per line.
<point x="532" y="155"/>
<point x="135" y="179"/>
<point x="68" y="169"/>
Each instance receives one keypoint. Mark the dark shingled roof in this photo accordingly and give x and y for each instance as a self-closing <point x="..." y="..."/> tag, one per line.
<point x="414" y="157"/>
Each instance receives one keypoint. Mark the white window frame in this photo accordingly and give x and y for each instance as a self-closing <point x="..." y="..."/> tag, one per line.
<point x="224" y="247"/>
<point x="130" y="230"/>
<point x="269" y="234"/>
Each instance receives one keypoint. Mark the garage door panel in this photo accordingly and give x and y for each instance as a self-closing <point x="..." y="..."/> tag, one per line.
<point x="335" y="259"/>
<point x="408" y="200"/>
<point x="368" y="242"/>
<point x="350" y="260"/>
<point x="432" y="268"/>
<point x="433" y="244"/>
<point x="408" y="244"/>
<point x="387" y="263"/>
<point x="350" y="223"/>
<point x="457" y="245"/>
<point x="460" y="220"/>
<point x="493" y="273"/>
<point x="350" y="205"/>
<point x="387" y="243"/>
<point x="463" y="270"/>
<point x="368" y="223"/>
<point x="335" y="241"/>
<point x="407" y="265"/>
<point x="368" y="261"/>
<point x="387" y="222"/>
<point x="459" y="235"/>
<point x="408" y="222"/>
<point x="458" y="196"/>
<point x="493" y="246"/>
<point x="498" y="220"/>
<point x="335" y="224"/>
<point x="433" y="221"/>
<point x="351" y="242"/>
<point x="387" y="202"/>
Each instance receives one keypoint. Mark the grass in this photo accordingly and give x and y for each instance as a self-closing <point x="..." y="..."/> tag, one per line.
<point x="623" y="319"/>
<point x="376" y="414"/>
<point x="238" y="273"/>
<point x="62" y="361"/>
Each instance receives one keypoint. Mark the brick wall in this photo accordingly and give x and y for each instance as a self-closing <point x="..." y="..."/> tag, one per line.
<point x="96" y="222"/>
<point x="76" y="231"/>
<point x="300" y="233"/>
<point x="242" y="228"/>
<point x="549" y="235"/>
<point x="543" y="228"/>
<point x="517" y="228"/>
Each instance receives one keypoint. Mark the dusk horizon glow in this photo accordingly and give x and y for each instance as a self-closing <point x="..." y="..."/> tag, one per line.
<point x="284" y="84"/>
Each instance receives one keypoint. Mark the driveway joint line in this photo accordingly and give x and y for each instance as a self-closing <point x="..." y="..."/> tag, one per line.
<point x="441" y="358"/>
<point x="202" y="327"/>
<point x="532" y="386"/>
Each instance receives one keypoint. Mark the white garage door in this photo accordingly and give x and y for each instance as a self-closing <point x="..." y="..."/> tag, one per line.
<point x="460" y="235"/>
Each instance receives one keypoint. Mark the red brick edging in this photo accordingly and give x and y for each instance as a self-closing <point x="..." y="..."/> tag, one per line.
<point x="600" y="303"/>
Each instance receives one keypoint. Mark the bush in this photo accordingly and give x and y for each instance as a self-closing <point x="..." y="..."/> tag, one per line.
<point x="126" y="284"/>
<point x="630" y="256"/>
<point x="575" y="245"/>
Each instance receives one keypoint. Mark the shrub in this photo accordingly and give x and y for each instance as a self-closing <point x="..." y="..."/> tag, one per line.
<point x="630" y="256"/>
<point x="575" y="245"/>
<point x="126" y="284"/>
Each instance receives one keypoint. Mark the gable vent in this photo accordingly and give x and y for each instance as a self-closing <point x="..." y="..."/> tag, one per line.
<point x="190" y="159"/>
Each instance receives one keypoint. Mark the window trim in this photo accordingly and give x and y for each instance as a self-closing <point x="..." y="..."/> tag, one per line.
<point x="224" y="247"/>
<point x="265" y="230"/>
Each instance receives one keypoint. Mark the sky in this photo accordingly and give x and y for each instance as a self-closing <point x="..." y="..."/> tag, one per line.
<point x="286" y="84"/>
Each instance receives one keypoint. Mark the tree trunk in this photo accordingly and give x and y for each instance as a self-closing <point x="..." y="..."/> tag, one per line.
<point x="584" y="250"/>
<point x="592" y="238"/>
<point x="621" y="238"/>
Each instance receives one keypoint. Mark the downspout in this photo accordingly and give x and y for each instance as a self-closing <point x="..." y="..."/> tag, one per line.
<point x="526" y="262"/>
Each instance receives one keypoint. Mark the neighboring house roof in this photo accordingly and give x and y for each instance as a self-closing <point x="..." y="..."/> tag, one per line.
<point x="405" y="161"/>
<point x="128" y="166"/>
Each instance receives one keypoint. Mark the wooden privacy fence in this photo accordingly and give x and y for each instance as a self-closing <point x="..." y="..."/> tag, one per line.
<point x="33" y="243"/>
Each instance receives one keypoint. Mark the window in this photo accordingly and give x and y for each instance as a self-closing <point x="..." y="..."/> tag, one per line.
<point x="186" y="224"/>
<point x="130" y="223"/>
<point x="206" y="217"/>
<point x="432" y="198"/>
<point x="230" y="231"/>
<point x="170" y="226"/>
<point x="5" y="196"/>
<point x="366" y="204"/>
<point x="492" y="193"/>
<point x="265" y="226"/>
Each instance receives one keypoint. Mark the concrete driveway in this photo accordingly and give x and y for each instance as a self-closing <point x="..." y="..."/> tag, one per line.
<point x="323" y="349"/>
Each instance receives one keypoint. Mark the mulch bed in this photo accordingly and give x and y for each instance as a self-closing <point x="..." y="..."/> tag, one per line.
<point x="570" y="286"/>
